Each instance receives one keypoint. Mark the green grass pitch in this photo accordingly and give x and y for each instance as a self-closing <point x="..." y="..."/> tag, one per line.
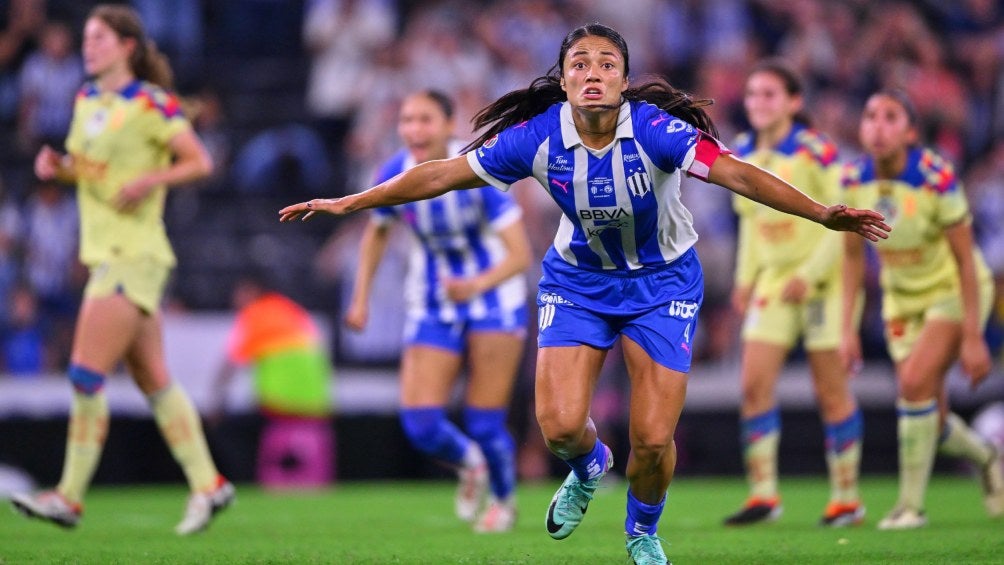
<point x="381" y="523"/>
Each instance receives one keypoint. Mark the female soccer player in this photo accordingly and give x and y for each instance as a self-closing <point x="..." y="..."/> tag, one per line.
<point x="788" y="285"/>
<point x="936" y="298"/>
<point x="622" y="264"/>
<point x="465" y="294"/>
<point x="128" y="142"/>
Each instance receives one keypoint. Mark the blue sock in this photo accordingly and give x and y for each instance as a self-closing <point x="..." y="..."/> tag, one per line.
<point x="590" y="465"/>
<point x="487" y="427"/>
<point x="755" y="427"/>
<point x="642" y="519"/>
<point x="841" y="435"/>
<point x="84" y="380"/>
<point x="430" y="432"/>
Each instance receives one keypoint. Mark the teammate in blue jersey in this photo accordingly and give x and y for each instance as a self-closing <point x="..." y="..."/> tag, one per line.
<point x="622" y="265"/>
<point x="466" y="294"/>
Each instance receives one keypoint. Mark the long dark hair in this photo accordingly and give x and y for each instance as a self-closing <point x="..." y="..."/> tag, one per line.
<point x="146" y="61"/>
<point x="521" y="105"/>
<point x="789" y="79"/>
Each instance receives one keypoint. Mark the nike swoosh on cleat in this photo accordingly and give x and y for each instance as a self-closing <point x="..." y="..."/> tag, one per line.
<point x="552" y="527"/>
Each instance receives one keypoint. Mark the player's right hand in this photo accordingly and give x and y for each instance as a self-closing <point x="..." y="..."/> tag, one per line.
<point x="741" y="298"/>
<point x="357" y="317"/>
<point x="304" y="210"/>
<point x="850" y="354"/>
<point x="47" y="163"/>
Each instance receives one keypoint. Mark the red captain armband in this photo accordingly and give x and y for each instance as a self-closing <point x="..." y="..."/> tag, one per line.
<point x="706" y="150"/>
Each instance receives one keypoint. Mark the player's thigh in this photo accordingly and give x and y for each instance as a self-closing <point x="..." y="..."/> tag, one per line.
<point x="658" y="394"/>
<point x="768" y="318"/>
<point x="921" y="374"/>
<point x="106" y="326"/>
<point x="566" y="378"/>
<point x="428" y="374"/>
<point x="493" y="362"/>
<point x="145" y="356"/>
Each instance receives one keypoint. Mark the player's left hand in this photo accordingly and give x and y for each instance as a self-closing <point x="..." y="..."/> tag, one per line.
<point x="461" y="290"/>
<point x="866" y="223"/>
<point x="795" y="290"/>
<point x="305" y="210"/>
<point x="975" y="359"/>
<point x="132" y="194"/>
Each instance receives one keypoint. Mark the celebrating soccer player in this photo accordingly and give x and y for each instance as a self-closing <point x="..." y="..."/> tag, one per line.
<point x="622" y="265"/>
<point x="466" y="294"/>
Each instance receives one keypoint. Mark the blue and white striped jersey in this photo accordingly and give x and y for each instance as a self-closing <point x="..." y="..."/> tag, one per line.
<point x="457" y="237"/>
<point x="621" y="204"/>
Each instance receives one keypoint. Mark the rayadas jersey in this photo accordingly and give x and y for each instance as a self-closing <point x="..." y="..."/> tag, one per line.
<point x="621" y="204"/>
<point x="458" y="237"/>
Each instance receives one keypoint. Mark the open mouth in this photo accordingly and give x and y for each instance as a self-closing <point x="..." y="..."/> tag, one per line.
<point x="592" y="93"/>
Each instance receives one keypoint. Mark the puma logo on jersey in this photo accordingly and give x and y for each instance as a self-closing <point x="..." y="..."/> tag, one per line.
<point x="562" y="185"/>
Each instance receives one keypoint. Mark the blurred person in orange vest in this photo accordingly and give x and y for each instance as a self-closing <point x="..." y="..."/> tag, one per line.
<point x="291" y="372"/>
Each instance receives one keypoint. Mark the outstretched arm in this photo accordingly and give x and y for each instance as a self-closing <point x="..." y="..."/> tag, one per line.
<point x="428" y="180"/>
<point x="757" y="184"/>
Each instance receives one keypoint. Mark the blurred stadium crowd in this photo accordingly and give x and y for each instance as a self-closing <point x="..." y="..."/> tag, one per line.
<point x="299" y="98"/>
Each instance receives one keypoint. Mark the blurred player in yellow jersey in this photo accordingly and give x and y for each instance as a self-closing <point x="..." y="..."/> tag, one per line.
<point x="788" y="287"/>
<point x="128" y="143"/>
<point x="937" y="293"/>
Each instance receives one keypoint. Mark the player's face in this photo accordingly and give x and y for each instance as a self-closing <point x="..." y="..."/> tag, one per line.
<point x="767" y="102"/>
<point x="885" y="127"/>
<point x="593" y="74"/>
<point x="424" y="128"/>
<point x="103" y="49"/>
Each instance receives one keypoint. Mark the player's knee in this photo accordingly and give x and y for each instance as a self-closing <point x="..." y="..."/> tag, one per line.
<point x="915" y="388"/>
<point x="559" y="429"/>
<point x="756" y="391"/>
<point x="648" y="448"/>
<point x="84" y="380"/>
<point x="424" y="427"/>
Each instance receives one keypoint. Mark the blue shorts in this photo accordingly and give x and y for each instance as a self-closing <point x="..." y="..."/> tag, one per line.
<point x="452" y="336"/>
<point x="657" y="308"/>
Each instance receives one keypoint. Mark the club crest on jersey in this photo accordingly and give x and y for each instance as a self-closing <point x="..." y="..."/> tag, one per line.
<point x="639" y="184"/>
<point x="97" y="123"/>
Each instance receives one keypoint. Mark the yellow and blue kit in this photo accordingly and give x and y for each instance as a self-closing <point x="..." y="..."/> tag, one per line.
<point x="115" y="138"/>
<point x="775" y="247"/>
<point x="920" y="278"/>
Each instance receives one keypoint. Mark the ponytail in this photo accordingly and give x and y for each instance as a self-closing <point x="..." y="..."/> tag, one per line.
<point x="151" y="65"/>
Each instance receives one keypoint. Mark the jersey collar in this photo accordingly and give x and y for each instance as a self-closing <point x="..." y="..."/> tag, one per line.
<point x="571" y="138"/>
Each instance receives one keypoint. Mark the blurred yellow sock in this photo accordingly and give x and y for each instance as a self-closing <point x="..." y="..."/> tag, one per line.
<point x="85" y="440"/>
<point x="959" y="440"/>
<point x="182" y="430"/>
<point x="918" y="436"/>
